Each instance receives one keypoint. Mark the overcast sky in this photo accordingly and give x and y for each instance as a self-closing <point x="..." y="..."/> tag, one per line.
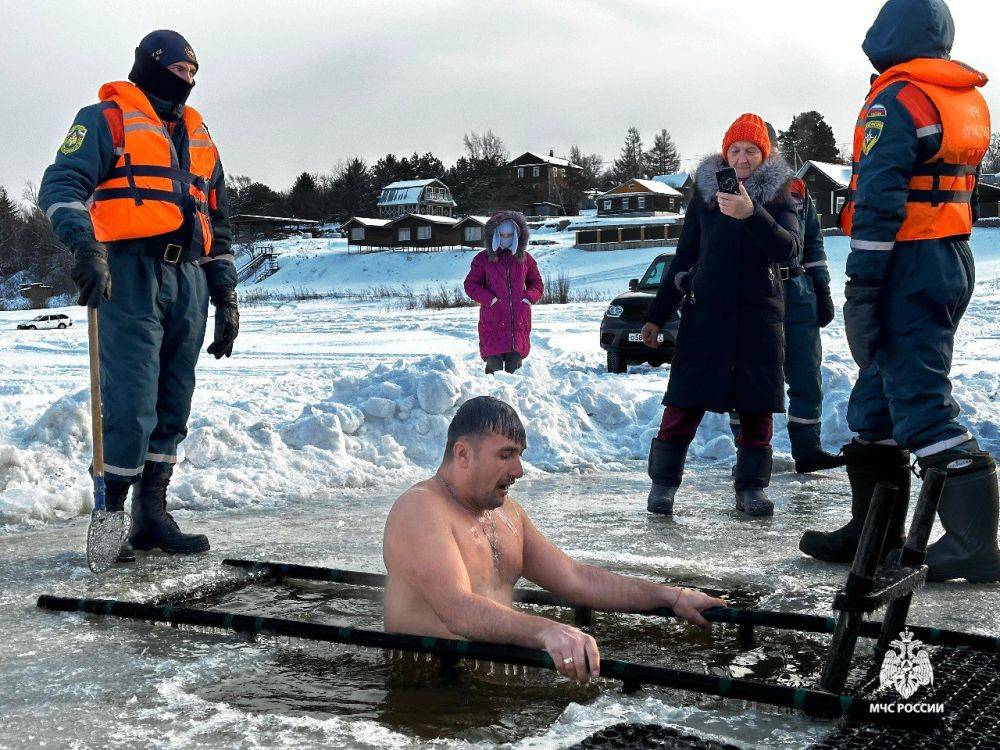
<point x="299" y="85"/>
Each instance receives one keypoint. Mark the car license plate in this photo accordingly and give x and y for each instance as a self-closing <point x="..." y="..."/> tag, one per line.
<point x="636" y="338"/>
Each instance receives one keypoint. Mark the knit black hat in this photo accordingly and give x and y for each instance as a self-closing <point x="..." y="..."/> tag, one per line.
<point x="155" y="52"/>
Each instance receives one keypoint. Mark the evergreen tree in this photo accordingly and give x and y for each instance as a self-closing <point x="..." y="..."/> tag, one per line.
<point x="631" y="162"/>
<point x="809" y="137"/>
<point x="304" y="198"/>
<point x="11" y="224"/>
<point x="663" y="157"/>
<point x="388" y="170"/>
<point x="353" y="192"/>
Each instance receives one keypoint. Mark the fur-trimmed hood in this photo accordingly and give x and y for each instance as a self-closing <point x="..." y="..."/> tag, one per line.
<point x="770" y="182"/>
<point x="495" y="221"/>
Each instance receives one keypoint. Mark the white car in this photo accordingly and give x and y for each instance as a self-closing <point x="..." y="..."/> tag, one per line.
<point x="57" y="320"/>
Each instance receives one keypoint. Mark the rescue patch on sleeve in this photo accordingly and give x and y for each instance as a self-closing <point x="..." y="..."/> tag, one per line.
<point x="74" y="139"/>
<point x="877" y="110"/>
<point x="873" y="131"/>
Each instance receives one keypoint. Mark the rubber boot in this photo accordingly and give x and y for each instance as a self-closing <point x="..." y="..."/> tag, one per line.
<point x="867" y="465"/>
<point x="968" y="513"/>
<point x="807" y="449"/>
<point x="116" y="492"/>
<point x="666" y="468"/>
<point x="753" y="474"/>
<point x="152" y="526"/>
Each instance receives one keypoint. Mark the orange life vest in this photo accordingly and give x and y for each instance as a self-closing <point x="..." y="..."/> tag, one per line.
<point x="147" y="193"/>
<point x="940" y="199"/>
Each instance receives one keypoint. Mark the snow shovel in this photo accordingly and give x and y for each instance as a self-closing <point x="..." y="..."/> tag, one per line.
<point x="107" y="529"/>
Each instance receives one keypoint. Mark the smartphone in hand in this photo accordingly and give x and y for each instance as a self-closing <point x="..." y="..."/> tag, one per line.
<point x="728" y="181"/>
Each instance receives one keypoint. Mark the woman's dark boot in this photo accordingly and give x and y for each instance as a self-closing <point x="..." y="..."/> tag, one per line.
<point x="867" y="465"/>
<point x="116" y="492"/>
<point x="666" y="468"/>
<point x="968" y="512"/>
<point x="752" y="475"/>
<point x="152" y="526"/>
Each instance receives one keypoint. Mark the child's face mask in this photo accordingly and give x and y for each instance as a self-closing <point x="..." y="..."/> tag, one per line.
<point x="505" y="236"/>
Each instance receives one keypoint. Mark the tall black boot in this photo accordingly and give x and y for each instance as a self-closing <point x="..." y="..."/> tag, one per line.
<point x="115" y="494"/>
<point x="867" y="465"/>
<point x="152" y="526"/>
<point x="666" y="468"/>
<point x="807" y="450"/>
<point x="968" y="512"/>
<point x="752" y="475"/>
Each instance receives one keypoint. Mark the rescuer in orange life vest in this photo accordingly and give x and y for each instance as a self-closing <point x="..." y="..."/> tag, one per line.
<point x="919" y="140"/>
<point x="137" y="192"/>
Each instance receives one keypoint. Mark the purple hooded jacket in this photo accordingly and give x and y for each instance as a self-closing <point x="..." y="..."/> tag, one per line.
<point x="500" y="281"/>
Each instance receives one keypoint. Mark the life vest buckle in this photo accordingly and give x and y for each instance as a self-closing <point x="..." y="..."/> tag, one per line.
<point x="172" y="254"/>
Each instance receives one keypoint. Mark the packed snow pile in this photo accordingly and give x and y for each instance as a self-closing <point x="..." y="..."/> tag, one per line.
<point x="325" y="398"/>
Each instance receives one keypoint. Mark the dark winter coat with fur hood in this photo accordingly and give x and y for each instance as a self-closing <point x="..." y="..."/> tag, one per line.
<point x="505" y="284"/>
<point x="730" y="346"/>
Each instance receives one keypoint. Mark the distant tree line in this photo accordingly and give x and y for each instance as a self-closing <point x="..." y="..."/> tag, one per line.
<point x="479" y="183"/>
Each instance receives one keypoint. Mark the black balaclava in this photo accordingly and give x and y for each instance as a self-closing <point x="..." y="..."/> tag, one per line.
<point x="155" y="52"/>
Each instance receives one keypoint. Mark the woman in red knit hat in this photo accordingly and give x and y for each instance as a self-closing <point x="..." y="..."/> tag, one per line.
<point x="730" y="344"/>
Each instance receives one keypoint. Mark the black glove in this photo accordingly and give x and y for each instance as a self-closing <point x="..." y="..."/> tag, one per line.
<point x="824" y="306"/>
<point x="90" y="273"/>
<point x="227" y="323"/>
<point x="861" y="319"/>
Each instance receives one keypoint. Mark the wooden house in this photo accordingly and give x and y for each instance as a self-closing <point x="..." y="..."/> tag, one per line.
<point x="827" y="185"/>
<point x="639" y="198"/>
<point x="429" y="197"/>
<point x="470" y="230"/>
<point x="368" y="233"/>
<point x="682" y="182"/>
<point x="989" y="196"/>
<point x="414" y="231"/>
<point x="542" y="183"/>
<point x="253" y="225"/>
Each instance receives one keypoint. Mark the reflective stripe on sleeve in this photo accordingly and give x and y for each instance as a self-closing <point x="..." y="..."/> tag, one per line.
<point x="929" y="130"/>
<point x="72" y="205"/>
<point x="227" y="258"/>
<point x="872" y="245"/>
<point x="815" y="264"/>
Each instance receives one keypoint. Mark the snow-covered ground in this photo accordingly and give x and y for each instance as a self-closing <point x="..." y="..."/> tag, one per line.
<point x="299" y="442"/>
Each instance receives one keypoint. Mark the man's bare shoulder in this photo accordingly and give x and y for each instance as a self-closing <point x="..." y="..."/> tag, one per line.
<point x="421" y="504"/>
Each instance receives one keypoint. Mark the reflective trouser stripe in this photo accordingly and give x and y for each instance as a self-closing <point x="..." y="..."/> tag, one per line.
<point x="943" y="445"/>
<point x="800" y="420"/>
<point x="887" y="441"/>
<point x="871" y="245"/>
<point x="108" y="468"/>
<point x="73" y="205"/>
<point x="162" y="458"/>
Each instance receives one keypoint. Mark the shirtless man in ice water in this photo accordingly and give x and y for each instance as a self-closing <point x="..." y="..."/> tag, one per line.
<point x="456" y="544"/>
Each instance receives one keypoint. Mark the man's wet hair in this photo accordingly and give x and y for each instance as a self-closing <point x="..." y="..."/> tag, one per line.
<point x="480" y="416"/>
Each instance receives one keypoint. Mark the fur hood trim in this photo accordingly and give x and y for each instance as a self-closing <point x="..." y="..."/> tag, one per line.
<point x="495" y="221"/>
<point x="770" y="182"/>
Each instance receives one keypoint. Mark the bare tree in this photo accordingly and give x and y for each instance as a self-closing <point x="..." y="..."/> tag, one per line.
<point x="488" y="147"/>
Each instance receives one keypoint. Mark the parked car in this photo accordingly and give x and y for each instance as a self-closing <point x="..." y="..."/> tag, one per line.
<point x="57" y="320"/>
<point x="622" y="323"/>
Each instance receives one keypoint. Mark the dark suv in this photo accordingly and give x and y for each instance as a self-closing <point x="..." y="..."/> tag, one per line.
<point x="623" y="321"/>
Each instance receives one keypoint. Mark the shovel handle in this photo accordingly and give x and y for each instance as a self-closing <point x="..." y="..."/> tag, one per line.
<point x="96" y="417"/>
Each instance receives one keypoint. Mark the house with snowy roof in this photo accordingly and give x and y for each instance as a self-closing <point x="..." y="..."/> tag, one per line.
<point x="637" y="197"/>
<point x="827" y="184"/>
<point x="682" y="182"/>
<point x="430" y="197"/>
<point x="542" y="183"/>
